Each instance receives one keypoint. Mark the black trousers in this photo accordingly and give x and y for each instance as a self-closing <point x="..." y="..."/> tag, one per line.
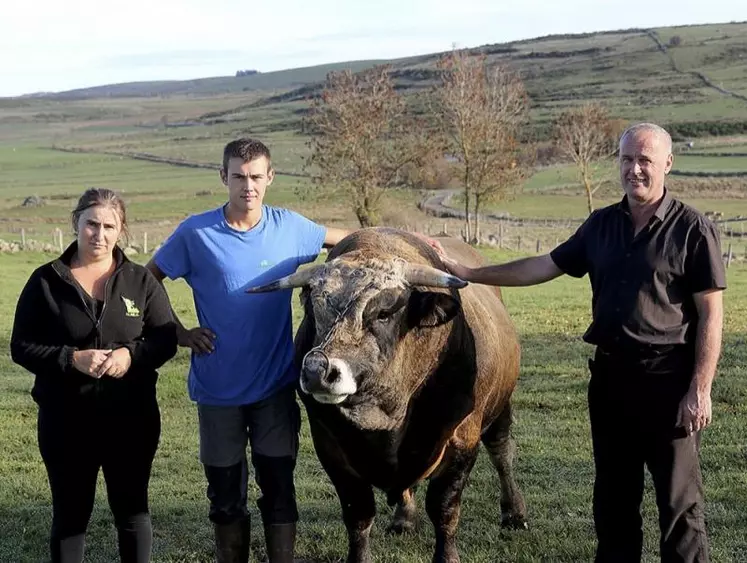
<point x="76" y="441"/>
<point x="633" y="405"/>
<point x="270" y="427"/>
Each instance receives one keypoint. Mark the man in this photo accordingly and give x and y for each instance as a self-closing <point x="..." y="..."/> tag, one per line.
<point x="657" y="279"/>
<point x="241" y="374"/>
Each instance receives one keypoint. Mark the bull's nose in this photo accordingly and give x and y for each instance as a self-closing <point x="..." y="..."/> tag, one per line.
<point x="329" y="380"/>
<point x="316" y="364"/>
<point x="318" y="372"/>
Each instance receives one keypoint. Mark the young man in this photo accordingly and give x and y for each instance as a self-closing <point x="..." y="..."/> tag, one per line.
<point x="242" y="375"/>
<point x="657" y="279"/>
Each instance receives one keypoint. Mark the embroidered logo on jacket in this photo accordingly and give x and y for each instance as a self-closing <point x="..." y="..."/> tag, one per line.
<point x="132" y="310"/>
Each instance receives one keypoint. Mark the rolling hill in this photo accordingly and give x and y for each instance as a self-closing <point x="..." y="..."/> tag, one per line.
<point x="693" y="79"/>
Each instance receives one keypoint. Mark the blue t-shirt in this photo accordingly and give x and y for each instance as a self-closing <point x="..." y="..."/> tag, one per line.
<point x="253" y="354"/>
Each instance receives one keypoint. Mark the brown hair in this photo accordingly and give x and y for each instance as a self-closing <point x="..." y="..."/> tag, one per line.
<point x="246" y="149"/>
<point x="104" y="197"/>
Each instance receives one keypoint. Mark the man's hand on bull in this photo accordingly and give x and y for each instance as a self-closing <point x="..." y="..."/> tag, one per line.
<point x="433" y="243"/>
<point x="198" y="339"/>
<point x="456" y="269"/>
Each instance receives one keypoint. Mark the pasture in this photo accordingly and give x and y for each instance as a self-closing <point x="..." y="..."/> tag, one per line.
<point x="192" y="121"/>
<point x="554" y="464"/>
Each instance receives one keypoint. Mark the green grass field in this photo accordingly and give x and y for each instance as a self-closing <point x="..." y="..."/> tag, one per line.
<point x="193" y="121"/>
<point x="712" y="163"/>
<point x="158" y="195"/>
<point x="554" y="464"/>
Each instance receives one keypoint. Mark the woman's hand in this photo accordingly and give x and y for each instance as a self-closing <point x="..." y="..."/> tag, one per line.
<point x="89" y="361"/>
<point x="117" y="364"/>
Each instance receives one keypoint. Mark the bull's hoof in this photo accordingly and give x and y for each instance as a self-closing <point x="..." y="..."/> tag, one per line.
<point x="514" y="522"/>
<point x="399" y="527"/>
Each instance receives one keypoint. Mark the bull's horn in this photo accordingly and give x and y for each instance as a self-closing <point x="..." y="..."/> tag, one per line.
<point x="297" y="279"/>
<point x="417" y="274"/>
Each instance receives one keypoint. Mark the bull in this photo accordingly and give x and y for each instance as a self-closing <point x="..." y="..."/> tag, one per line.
<point x="402" y="377"/>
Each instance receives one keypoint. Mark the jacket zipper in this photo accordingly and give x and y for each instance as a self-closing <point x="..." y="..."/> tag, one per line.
<point x="103" y="308"/>
<point x="96" y="322"/>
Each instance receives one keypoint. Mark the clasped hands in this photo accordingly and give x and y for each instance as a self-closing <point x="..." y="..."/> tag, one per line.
<point x="98" y="363"/>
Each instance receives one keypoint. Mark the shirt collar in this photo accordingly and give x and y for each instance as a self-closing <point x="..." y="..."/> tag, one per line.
<point x="661" y="210"/>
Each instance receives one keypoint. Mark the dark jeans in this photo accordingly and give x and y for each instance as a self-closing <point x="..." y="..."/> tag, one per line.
<point x="633" y="405"/>
<point x="270" y="427"/>
<point x="76" y="441"/>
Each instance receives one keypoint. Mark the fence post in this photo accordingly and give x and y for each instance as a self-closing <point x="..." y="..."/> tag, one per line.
<point x="518" y="243"/>
<point x="539" y="246"/>
<point x="23" y="238"/>
<point x="500" y="234"/>
<point x="446" y="229"/>
<point x="59" y="234"/>
<point x="145" y="242"/>
<point x="729" y="256"/>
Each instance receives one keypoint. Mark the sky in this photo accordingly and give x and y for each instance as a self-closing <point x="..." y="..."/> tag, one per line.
<point x="53" y="45"/>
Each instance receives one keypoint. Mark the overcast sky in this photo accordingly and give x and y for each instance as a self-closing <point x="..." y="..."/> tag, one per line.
<point x="53" y="45"/>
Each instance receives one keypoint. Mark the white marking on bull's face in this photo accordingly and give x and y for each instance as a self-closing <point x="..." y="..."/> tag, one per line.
<point x="349" y="286"/>
<point x="336" y="386"/>
<point x="329" y="399"/>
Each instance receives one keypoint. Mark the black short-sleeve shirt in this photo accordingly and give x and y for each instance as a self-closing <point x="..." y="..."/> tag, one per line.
<point x="642" y="286"/>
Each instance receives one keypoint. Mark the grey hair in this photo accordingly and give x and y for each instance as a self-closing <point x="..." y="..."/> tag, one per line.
<point x="659" y="131"/>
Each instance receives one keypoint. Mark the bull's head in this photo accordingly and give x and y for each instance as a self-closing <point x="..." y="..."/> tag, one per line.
<point x="358" y="311"/>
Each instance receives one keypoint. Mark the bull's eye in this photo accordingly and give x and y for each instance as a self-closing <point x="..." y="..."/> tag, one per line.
<point x="384" y="316"/>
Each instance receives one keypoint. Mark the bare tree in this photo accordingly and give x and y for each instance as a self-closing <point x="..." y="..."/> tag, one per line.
<point x="482" y="110"/>
<point x="587" y="135"/>
<point x="362" y="137"/>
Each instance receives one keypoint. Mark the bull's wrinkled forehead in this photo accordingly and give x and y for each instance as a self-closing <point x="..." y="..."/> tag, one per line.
<point x="342" y="286"/>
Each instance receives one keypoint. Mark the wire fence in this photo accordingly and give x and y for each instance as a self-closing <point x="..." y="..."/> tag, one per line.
<point x="523" y="235"/>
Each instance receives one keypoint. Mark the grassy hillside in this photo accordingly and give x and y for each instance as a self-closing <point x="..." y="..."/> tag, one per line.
<point x="632" y="70"/>
<point x="635" y="72"/>
<point x="278" y="80"/>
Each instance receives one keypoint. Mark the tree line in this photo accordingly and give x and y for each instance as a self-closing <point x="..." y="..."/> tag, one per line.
<point x="471" y="127"/>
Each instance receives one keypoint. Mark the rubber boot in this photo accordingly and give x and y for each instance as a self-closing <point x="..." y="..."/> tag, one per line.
<point x="232" y="542"/>
<point x="280" y="540"/>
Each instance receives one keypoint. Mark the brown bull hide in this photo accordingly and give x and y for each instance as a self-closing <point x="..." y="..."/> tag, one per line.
<point x="401" y="384"/>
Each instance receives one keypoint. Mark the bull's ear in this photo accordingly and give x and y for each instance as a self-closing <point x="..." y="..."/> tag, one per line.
<point x="431" y="309"/>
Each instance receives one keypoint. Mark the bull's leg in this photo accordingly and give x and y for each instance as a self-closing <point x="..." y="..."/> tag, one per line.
<point x="501" y="447"/>
<point x="358" y="511"/>
<point x="442" y="503"/>
<point x="404" y="514"/>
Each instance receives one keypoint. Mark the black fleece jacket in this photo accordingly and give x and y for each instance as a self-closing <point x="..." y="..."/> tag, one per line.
<point x="53" y="320"/>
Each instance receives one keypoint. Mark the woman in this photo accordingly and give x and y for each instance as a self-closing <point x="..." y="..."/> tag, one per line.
<point x="93" y="328"/>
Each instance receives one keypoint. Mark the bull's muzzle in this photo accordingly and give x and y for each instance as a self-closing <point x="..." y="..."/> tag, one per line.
<point x="328" y="381"/>
<point x="315" y="372"/>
